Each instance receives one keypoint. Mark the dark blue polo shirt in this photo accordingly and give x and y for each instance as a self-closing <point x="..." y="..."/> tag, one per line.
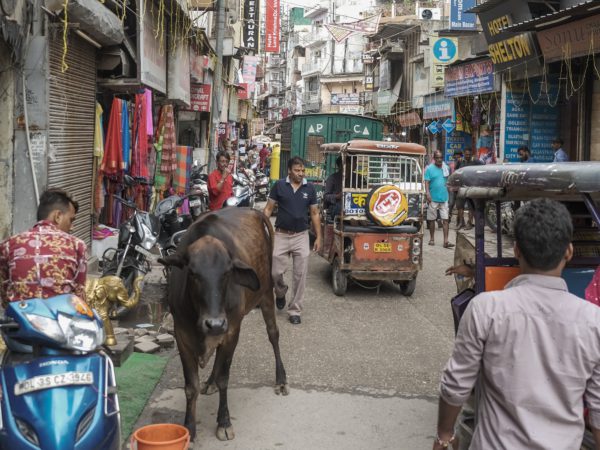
<point x="293" y="207"/>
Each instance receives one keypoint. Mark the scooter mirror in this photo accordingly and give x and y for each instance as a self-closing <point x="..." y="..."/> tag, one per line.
<point x="129" y="181"/>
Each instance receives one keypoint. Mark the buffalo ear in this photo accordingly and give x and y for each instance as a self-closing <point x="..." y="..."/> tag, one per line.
<point x="245" y="275"/>
<point x="173" y="260"/>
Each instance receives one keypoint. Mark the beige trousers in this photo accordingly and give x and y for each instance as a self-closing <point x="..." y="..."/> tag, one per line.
<point x="296" y="246"/>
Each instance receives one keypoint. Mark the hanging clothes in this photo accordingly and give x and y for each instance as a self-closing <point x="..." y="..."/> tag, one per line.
<point x="112" y="162"/>
<point x="182" y="173"/>
<point x="139" y="163"/>
<point x="98" y="155"/>
<point x="160" y="179"/>
<point x="168" y="163"/>
<point x="149" y="125"/>
<point x="126" y="135"/>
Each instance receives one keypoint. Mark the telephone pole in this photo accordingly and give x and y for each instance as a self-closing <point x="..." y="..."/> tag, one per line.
<point x="217" y="96"/>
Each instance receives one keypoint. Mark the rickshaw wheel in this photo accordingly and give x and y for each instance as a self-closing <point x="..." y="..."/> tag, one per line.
<point x="339" y="280"/>
<point x="407" y="287"/>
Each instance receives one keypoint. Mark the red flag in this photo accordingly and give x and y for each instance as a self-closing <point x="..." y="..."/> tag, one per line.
<point x="272" y="26"/>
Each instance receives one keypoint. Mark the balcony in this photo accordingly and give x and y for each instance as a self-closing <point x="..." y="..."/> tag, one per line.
<point x="315" y="11"/>
<point x="312" y="68"/>
<point x="275" y="61"/>
<point x="319" y="36"/>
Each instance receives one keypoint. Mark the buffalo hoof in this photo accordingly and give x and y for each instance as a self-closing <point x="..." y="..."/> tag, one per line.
<point x="282" y="389"/>
<point x="225" y="433"/>
<point x="209" y="389"/>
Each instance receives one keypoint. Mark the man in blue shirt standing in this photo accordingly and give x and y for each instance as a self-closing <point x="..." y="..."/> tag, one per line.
<point x="436" y="176"/>
<point x="559" y="154"/>
<point x="295" y="199"/>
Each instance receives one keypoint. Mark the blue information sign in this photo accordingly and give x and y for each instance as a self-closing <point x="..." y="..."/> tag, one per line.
<point x="433" y="127"/>
<point x="457" y="140"/>
<point x="444" y="50"/>
<point x="448" y="126"/>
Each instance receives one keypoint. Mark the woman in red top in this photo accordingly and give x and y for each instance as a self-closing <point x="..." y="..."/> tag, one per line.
<point x="220" y="182"/>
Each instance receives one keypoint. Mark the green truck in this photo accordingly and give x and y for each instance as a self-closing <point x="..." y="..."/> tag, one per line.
<point x="303" y="134"/>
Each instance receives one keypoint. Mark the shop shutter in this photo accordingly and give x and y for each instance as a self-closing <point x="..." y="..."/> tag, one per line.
<point x="71" y="125"/>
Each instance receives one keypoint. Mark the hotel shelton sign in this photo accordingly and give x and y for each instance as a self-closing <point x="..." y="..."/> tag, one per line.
<point x="508" y="49"/>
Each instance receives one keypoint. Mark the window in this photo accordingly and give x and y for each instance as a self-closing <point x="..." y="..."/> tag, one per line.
<point x="318" y="54"/>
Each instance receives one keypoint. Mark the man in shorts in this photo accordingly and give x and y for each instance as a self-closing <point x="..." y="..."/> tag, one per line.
<point x="436" y="176"/>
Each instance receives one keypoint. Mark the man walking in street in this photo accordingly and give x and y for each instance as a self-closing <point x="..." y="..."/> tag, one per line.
<point x="220" y="182"/>
<point x="461" y="203"/>
<point x="46" y="260"/>
<point x="436" y="176"/>
<point x="295" y="199"/>
<point x="559" y="154"/>
<point x="534" y="347"/>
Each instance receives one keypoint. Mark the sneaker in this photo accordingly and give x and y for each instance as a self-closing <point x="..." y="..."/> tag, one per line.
<point x="280" y="302"/>
<point x="295" y="320"/>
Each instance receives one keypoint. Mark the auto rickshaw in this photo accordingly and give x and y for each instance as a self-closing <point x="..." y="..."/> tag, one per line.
<point x="491" y="255"/>
<point x="375" y="231"/>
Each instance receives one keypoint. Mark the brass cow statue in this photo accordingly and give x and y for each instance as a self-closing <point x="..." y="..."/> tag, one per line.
<point x="106" y="293"/>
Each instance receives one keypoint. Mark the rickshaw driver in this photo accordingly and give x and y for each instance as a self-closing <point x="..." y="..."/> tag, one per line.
<point x="515" y="341"/>
<point x="333" y="190"/>
<point x="437" y="196"/>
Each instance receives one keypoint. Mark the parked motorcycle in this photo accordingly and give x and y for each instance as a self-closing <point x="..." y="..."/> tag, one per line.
<point x="58" y="389"/>
<point x="199" y="185"/>
<point x="261" y="186"/>
<point x="507" y="214"/>
<point x="172" y="224"/>
<point x="243" y="192"/>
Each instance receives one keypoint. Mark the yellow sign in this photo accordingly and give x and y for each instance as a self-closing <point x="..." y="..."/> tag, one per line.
<point x="383" y="247"/>
<point x="388" y="206"/>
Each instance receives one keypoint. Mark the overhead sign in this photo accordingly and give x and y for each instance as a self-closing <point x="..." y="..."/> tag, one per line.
<point x="251" y="34"/>
<point x="460" y="20"/>
<point x="470" y="78"/>
<point x="345" y="99"/>
<point x="448" y="126"/>
<point x="572" y="40"/>
<point x="272" y="27"/>
<point x="444" y="50"/>
<point x="199" y="98"/>
<point x="436" y="78"/>
<point x="435" y="106"/>
<point x="153" y="54"/>
<point x="433" y="127"/>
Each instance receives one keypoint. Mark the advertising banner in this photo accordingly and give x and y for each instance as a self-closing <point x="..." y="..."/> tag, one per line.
<point x="569" y="41"/>
<point x="345" y="99"/>
<point x="251" y="26"/>
<point x="435" y="106"/>
<point x="460" y="20"/>
<point x="249" y="68"/>
<point x="467" y="79"/>
<point x="199" y="98"/>
<point x="272" y="27"/>
<point x="153" y="56"/>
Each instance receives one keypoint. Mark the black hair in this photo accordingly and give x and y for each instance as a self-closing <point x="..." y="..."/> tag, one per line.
<point x="295" y="161"/>
<point x="338" y="162"/>
<point x="559" y="141"/>
<point x="543" y="231"/>
<point x="524" y="148"/>
<point x="222" y="153"/>
<point x="53" y="199"/>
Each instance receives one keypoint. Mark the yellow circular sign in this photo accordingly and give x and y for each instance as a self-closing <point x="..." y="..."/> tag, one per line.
<point x="388" y="206"/>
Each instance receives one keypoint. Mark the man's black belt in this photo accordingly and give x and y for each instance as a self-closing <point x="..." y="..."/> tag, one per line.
<point x="281" y="230"/>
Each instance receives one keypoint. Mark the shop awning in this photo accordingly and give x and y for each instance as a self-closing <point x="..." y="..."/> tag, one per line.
<point x="97" y="21"/>
<point x="409" y="119"/>
<point x="565" y="15"/>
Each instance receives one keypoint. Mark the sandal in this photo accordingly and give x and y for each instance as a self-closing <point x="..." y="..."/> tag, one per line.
<point x="431" y="243"/>
<point x="448" y="245"/>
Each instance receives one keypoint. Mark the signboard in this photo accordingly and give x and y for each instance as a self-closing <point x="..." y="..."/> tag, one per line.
<point x="516" y="129"/>
<point x="435" y="106"/>
<point x="153" y="59"/>
<point x="355" y="204"/>
<point x="544" y="129"/>
<point x="249" y="68"/>
<point x="457" y="140"/>
<point x="467" y="79"/>
<point x="448" y="126"/>
<point x="272" y="27"/>
<point x="345" y="99"/>
<point x="368" y="82"/>
<point x="444" y="50"/>
<point x="436" y="77"/>
<point x="569" y="41"/>
<point x="385" y="75"/>
<point x="433" y="127"/>
<point x="508" y="49"/>
<point x="199" y="98"/>
<point x="246" y="93"/>
<point x="178" y="80"/>
<point x="250" y="35"/>
<point x="460" y="20"/>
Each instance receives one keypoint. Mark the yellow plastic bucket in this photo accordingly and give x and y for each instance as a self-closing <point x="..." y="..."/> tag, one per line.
<point x="161" y="436"/>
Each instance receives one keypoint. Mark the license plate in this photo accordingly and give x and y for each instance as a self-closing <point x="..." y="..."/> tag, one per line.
<point x="195" y="202"/>
<point x="383" y="247"/>
<point x="144" y="252"/>
<point x="53" y="381"/>
<point x="263" y="190"/>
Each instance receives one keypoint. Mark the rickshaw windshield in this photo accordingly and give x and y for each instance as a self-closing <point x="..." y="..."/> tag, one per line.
<point x="364" y="171"/>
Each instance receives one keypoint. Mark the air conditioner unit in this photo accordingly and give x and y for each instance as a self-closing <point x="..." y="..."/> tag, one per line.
<point x="429" y="13"/>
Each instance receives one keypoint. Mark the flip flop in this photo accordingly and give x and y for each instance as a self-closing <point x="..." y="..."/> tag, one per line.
<point x="448" y="245"/>
<point x="431" y="243"/>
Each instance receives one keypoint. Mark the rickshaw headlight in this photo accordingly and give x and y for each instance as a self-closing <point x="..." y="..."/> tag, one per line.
<point x="416" y="246"/>
<point x="415" y="260"/>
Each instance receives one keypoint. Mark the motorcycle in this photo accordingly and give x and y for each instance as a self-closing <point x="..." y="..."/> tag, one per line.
<point x="261" y="186"/>
<point x="243" y="194"/>
<point x="172" y="224"/>
<point x="199" y="184"/>
<point x="507" y="216"/>
<point x="58" y="389"/>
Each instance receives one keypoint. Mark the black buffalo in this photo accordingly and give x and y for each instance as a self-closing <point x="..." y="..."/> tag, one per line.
<point x="220" y="272"/>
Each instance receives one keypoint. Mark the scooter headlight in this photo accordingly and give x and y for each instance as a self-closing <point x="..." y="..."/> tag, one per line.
<point x="81" y="334"/>
<point x="47" y="326"/>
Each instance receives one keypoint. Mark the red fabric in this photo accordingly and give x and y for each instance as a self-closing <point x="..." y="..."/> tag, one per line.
<point x="139" y="161"/>
<point x="41" y="263"/>
<point x="216" y="198"/>
<point x="112" y="162"/>
<point x="592" y="292"/>
<point x="263" y="154"/>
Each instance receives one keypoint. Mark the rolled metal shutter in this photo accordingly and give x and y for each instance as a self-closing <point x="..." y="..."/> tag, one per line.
<point x="72" y="97"/>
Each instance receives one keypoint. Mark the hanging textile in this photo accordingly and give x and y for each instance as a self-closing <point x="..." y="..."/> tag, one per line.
<point x="160" y="179"/>
<point x="126" y="135"/>
<point x="149" y="126"/>
<point x="169" y="158"/>
<point x="182" y="173"/>
<point x="139" y="163"/>
<point x="112" y="162"/>
<point x="98" y="155"/>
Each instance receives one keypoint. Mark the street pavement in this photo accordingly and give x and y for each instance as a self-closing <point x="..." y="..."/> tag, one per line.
<point x="363" y="369"/>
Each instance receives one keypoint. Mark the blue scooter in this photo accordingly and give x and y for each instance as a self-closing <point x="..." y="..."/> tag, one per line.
<point x="58" y="389"/>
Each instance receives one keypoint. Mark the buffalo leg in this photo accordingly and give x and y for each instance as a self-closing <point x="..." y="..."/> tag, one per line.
<point x="267" y="307"/>
<point x="209" y="387"/>
<point x="221" y="375"/>
<point x="189" y="361"/>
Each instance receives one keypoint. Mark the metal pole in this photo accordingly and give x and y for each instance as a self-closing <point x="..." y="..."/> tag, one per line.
<point x="217" y="99"/>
